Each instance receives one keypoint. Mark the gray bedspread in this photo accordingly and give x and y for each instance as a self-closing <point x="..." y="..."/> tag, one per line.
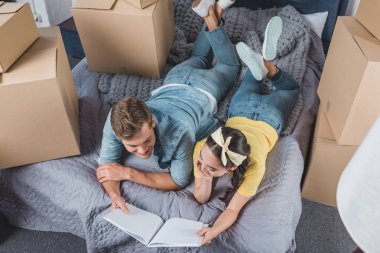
<point x="64" y="195"/>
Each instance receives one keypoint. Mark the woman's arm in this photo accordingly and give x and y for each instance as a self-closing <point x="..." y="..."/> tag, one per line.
<point x="203" y="184"/>
<point x="202" y="189"/>
<point x="226" y="219"/>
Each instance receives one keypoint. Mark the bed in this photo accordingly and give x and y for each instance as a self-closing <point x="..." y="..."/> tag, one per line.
<point x="63" y="195"/>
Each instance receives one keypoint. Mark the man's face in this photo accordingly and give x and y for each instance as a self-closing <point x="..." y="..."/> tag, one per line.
<point x="142" y="144"/>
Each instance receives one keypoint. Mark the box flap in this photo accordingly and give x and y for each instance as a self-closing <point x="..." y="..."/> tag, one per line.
<point x="368" y="13"/>
<point x="354" y="27"/>
<point x="125" y="7"/>
<point x="7" y="8"/>
<point x="33" y="66"/>
<point x="370" y="47"/>
<point x="93" y="4"/>
<point x="323" y="126"/>
<point x="141" y="3"/>
<point x="1" y="3"/>
<point x="38" y="63"/>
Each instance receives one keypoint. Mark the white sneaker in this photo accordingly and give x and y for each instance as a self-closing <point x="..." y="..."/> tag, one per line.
<point x="224" y="4"/>
<point x="202" y="8"/>
<point x="254" y="61"/>
<point x="272" y="34"/>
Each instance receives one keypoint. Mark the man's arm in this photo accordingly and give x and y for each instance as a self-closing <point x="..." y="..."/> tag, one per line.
<point x="178" y="177"/>
<point x="110" y="152"/>
<point x="112" y="146"/>
<point x="180" y="169"/>
<point x="113" y="190"/>
<point x="156" y="180"/>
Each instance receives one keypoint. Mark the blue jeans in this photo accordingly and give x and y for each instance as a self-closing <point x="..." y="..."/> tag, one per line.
<point x="273" y="108"/>
<point x="217" y="80"/>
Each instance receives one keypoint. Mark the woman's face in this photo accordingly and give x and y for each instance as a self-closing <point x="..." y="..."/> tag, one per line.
<point x="208" y="164"/>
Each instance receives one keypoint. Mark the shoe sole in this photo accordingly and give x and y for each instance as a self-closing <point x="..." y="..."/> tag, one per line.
<point x="272" y="34"/>
<point x="245" y="54"/>
<point x="225" y="4"/>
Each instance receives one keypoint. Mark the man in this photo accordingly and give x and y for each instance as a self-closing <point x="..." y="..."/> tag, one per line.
<point x="175" y="116"/>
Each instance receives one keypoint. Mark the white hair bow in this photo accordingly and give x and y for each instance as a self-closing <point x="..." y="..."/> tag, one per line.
<point x="236" y="158"/>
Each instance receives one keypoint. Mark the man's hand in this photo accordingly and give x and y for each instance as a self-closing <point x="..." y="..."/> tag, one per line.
<point x="119" y="202"/>
<point x="112" y="171"/>
<point x="208" y="234"/>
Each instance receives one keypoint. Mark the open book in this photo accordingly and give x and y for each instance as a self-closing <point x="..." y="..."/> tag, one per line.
<point x="151" y="230"/>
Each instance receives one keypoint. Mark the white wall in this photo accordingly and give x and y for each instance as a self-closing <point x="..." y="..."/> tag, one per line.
<point x="49" y="12"/>
<point x="352" y="7"/>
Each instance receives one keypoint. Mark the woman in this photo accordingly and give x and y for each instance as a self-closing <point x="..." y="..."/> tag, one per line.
<point x="255" y="122"/>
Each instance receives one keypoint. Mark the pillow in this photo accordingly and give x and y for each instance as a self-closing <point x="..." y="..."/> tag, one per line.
<point x="316" y="21"/>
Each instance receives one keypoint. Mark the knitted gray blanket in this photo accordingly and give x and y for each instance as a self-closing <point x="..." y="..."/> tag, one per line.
<point x="241" y="24"/>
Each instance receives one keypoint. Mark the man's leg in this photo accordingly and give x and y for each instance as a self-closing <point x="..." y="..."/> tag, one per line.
<point x="198" y="60"/>
<point x="224" y="51"/>
<point x="218" y="80"/>
<point x="201" y="47"/>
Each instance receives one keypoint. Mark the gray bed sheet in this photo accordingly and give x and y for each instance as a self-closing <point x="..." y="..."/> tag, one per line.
<point x="63" y="195"/>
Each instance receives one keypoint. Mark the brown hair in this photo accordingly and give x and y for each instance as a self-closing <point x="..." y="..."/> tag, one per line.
<point x="128" y="116"/>
<point x="238" y="145"/>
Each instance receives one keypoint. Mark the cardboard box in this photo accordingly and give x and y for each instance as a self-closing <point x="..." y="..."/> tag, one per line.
<point x="328" y="160"/>
<point x="141" y="3"/>
<point x="17" y="32"/>
<point x="350" y="84"/>
<point x="118" y="37"/>
<point x="39" y="112"/>
<point x="368" y="14"/>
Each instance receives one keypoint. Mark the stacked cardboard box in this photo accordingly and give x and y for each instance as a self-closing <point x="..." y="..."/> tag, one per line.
<point x="17" y="32"/>
<point x="119" y="37"/>
<point x="349" y="93"/>
<point x="39" y="112"/>
<point x="350" y="81"/>
<point x="327" y="162"/>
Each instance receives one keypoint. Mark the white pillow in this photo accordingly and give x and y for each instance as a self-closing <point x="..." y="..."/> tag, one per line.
<point x="316" y="21"/>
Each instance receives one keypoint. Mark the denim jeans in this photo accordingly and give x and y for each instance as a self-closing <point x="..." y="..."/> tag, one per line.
<point x="273" y="108"/>
<point x="217" y="80"/>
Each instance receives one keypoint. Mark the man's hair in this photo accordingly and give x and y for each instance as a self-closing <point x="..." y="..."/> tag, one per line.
<point x="128" y="116"/>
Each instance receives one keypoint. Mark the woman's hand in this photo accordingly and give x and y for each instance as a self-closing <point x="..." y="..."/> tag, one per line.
<point x="208" y="234"/>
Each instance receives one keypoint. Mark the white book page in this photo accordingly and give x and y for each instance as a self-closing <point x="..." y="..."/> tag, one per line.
<point x="178" y="232"/>
<point x="138" y="223"/>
